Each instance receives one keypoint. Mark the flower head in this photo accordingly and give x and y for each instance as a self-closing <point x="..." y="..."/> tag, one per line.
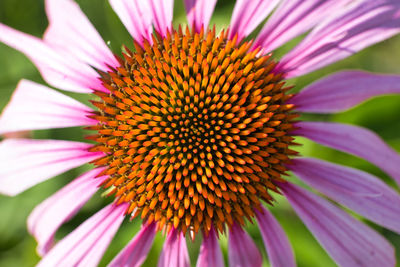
<point x="188" y="143"/>
<point x="193" y="130"/>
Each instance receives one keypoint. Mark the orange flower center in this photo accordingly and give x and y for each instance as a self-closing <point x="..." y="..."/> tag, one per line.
<point x="196" y="130"/>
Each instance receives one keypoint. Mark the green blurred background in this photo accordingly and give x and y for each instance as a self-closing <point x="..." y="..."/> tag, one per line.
<point x="17" y="247"/>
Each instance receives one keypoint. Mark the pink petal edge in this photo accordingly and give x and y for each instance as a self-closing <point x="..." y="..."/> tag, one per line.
<point x="26" y="162"/>
<point x="278" y="247"/>
<point x="87" y="243"/>
<point x="34" y="106"/>
<point x="343" y="90"/>
<point x="210" y="254"/>
<point x="71" y="32"/>
<point x="49" y="215"/>
<point x="139" y="17"/>
<point x="56" y="69"/>
<point x="354" y="140"/>
<point x="243" y="251"/>
<point x="174" y="253"/>
<point x="293" y="18"/>
<point x="351" y="29"/>
<point x="135" y="253"/>
<point x="361" y="192"/>
<point x="135" y="15"/>
<point x="162" y="13"/>
<point x="349" y="242"/>
<point x="247" y="15"/>
<point x="199" y="13"/>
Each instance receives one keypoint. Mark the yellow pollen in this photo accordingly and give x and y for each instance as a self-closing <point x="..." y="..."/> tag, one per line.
<point x="196" y="130"/>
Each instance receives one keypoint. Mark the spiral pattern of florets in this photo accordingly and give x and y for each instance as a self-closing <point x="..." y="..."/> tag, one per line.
<point x="196" y="130"/>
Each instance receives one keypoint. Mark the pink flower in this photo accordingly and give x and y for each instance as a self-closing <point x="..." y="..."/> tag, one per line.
<point x="193" y="130"/>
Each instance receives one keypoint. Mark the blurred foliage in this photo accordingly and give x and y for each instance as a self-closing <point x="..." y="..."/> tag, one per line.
<point x="17" y="247"/>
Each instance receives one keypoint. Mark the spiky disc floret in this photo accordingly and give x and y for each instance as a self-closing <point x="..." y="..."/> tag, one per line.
<point x="195" y="129"/>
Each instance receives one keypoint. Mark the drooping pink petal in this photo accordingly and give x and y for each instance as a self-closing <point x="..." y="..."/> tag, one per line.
<point x="71" y="31"/>
<point x="34" y="106"/>
<point x="248" y="14"/>
<point x="359" y="25"/>
<point x="199" y="12"/>
<point x="25" y="162"/>
<point x="174" y="253"/>
<point x="210" y="253"/>
<point x="243" y="251"/>
<point x="348" y="241"/>
<point x="355" y="189"/>
<point x="60" y="71"/>
<point x="135" y="253"/>
<point x="47" y="217"/>
<point x="354" y="140"/>
<point x="344" y="90"/>
<point x="86" y="244"/>
<point x="162" y="12"/>
<point x="136" y="17"/>
<point x="293" y="18"/>
<point x="279" y="250"/>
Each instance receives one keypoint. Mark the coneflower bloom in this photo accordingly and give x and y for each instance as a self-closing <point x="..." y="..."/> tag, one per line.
<point x="193" y="130"/>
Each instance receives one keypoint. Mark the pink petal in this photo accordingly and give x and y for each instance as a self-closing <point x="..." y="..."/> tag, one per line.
<point x="25" y="162"/>
<point x="174" y="253"/>
<point x="135" y="15"/>
<point x="135" y="253"/>
<point x="243" y="251"/>
<point x="162" y="11"/>
<point x="248" y="14"/>
<point x="357" y="190"/>
<point x="199" y="12"/>
<point x="86" y="244"/>
<point x="210" y="253"/>
<point x="279" y="250"/>
<point x="47" y="217"/>
<point x="138" y="17"/>
<point x="293" y="18"/>
<point x="348" y="241"/>
<point x="60" y="71"/>
<point x="34" y="106"/>
<point x="71" y="32"/>
<point x="359" y="25"/>
<point x="354" y="140"/>
<point x="344" y="90"/>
